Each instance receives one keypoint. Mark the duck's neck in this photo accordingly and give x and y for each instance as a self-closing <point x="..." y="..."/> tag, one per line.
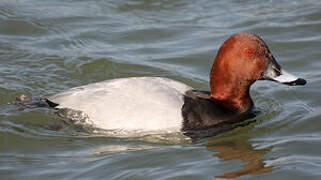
<point x="231" y="94"/>
<point x="241" y="102"/>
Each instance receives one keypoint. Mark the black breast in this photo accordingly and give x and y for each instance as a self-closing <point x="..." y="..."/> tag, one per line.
<point x="201" y="113"/>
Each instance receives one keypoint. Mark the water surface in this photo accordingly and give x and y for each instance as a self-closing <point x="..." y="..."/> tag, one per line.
<point x="50" y="46"/>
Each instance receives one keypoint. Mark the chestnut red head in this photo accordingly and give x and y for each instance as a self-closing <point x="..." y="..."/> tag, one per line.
<point x="240" y="61"/>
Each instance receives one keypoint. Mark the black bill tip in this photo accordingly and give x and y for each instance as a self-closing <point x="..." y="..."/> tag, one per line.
<point x="298" y="82"/>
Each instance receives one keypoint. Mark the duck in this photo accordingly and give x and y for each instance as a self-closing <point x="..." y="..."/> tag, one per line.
<point x="161" y="104"/>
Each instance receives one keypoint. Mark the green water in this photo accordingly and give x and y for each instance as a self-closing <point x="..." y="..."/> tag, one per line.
<point x="50" y="46"/>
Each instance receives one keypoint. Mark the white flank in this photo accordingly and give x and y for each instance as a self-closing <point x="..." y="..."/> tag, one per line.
<point x="137" y="103"/>
<point x="285" y="77"/>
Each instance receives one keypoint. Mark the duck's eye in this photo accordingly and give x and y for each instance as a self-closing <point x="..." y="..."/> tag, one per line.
<point x="248" y="51"/>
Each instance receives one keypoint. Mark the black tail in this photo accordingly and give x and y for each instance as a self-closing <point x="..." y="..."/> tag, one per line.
<point x="24" y="102"/>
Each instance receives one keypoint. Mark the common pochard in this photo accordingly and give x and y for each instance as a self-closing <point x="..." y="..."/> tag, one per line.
<point x="162" y="104"/>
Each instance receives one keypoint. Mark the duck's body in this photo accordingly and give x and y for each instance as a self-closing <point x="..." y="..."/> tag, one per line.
<point x="161" y="104"/>
<point x="136" y="103"/>
<point x="158" y="104"/>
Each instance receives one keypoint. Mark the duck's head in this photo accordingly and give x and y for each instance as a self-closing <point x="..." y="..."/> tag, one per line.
<point x="241" y="60"/>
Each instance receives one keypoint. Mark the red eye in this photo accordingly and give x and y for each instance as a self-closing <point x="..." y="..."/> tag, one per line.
<point x="248" y="52"/>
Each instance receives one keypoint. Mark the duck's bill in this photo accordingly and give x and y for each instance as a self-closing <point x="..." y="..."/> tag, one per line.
<point x="289" y="79"/>
<point x="274" y="72"/>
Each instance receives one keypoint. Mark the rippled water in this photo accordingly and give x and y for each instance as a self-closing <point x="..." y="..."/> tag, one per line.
<point x="50" y="46"/>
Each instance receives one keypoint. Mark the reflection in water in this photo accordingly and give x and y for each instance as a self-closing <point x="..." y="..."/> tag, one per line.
<point x="239" y="148"/>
